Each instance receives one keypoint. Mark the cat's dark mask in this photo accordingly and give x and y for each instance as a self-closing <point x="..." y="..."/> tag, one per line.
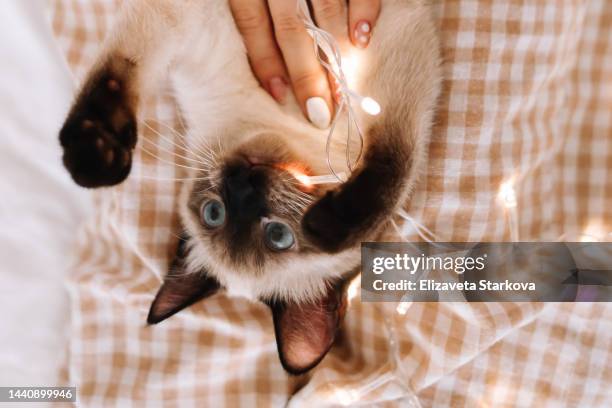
<point x="304" y="332"/>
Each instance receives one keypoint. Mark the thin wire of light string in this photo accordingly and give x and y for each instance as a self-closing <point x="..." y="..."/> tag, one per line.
<point x="327" y="50"/>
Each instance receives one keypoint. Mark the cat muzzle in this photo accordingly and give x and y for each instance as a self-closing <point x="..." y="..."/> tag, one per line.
<point x="244" y="187"/>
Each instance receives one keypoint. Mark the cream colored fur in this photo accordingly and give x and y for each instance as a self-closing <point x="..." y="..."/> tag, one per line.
<point x="196" y="44"/>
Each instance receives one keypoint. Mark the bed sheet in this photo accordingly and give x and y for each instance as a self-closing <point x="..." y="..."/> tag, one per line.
<point x="525" y="101"/>
<point x="40" y="208"/>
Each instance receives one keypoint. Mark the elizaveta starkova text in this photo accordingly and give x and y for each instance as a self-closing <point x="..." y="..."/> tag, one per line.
<point x="432" y="285"/>
<point x="412" y="264"/>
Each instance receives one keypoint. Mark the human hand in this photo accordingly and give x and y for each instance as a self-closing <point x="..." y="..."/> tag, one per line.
<point x="281" y="53"/>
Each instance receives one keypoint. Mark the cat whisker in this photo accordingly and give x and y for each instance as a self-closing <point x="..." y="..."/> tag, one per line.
<point x="194" y="149"/>
<point x="172" y="142"/>
<point x="179" y="156"/>
<point x="166" y="161"/>
<point x="210" y="155"/>
<point x="176" y="134"/>
<point x="295" y="203"/>
<point x="205" y="159"/>
<point x="203" y="190"/>
<point x="206" y="151"/>
<point x="303" y="200"/>
<point x="423" y="231"/>
<point x="171" y="178"/>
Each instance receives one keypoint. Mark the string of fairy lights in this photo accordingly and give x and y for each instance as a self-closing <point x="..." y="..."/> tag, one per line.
<point x="327" y="50"/>
<point x="328" y="54"/>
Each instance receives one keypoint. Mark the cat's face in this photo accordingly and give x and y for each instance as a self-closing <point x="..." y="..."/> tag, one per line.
<point x="250" y="203"/>
<point x="244" y="216"/>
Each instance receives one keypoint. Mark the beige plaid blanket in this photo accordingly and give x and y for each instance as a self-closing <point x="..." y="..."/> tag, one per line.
<point x="526" y="109"/>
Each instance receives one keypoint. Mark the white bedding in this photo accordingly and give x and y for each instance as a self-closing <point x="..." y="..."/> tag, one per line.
<point x="40" y="208"/>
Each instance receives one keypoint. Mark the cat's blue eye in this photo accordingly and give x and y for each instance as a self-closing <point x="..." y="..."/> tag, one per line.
<point x="278" y="236"/>
<point x="213" y="214"/>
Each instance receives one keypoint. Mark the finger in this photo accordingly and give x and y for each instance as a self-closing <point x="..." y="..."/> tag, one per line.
<point x="334" y="86"/>
<point x="307" y="76"/>
<point x="254" y="23"/>
<point x="331" y="16"/>
<point x="362" y="17"/>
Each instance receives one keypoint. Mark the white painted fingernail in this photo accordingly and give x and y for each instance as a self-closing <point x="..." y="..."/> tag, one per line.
<point x="365" y="27"/>
<point x="318" y="112"/>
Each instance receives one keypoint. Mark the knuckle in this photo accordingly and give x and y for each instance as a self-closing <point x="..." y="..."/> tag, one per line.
<point x="329" y="9"/>
<point x="367" y="9"/>
<point x="305" y="81"/>
<point x="267" y="62"/>
<point x="250" y="20"/>
<point x="287" y="26"/>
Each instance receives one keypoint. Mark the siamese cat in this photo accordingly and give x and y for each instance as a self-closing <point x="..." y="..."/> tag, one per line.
<point x="252" y="227"/>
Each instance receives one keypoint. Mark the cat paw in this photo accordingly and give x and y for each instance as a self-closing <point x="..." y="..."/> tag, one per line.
<point x="351" y="213"/>
<point x="340" y="218"/>
<point x="326" y="224"/>
<point x="100" y="134"/>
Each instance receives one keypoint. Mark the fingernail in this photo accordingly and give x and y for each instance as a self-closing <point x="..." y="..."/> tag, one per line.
<point x="362" y="33"/>
<point x="318" y="112"/>
<point x="278" y="89"/>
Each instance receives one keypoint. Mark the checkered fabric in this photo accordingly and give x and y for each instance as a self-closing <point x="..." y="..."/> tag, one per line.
<point x="527" y="100"/>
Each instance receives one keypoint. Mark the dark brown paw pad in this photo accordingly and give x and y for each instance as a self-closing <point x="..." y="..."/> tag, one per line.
<point x="100" y="133"/>
<point x="96" y="158"/>
<point x="342" y="218"/>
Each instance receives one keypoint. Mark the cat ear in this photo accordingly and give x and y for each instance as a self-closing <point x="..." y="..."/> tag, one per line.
<point x="306" y="331"/>
<point x="180" y="288"/>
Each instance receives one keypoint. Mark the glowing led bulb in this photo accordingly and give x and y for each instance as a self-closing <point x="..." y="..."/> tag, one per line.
<point x="351" y="293"/>
<point x="370" y="106"/>
<point x="298" y="173"/>
<point x="508" y="198"/>
<point x="328" y="178"/>
<point x="302" y="178"/>
<point x="309" y="181"/>
<point x="403" y="307"/>
<point x="345" y="397"/>
<point x="507" y="194"/>
<point x="593" y="233"/>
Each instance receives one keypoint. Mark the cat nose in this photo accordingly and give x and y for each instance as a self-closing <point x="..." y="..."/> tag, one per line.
<point x="244" y="187"/>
